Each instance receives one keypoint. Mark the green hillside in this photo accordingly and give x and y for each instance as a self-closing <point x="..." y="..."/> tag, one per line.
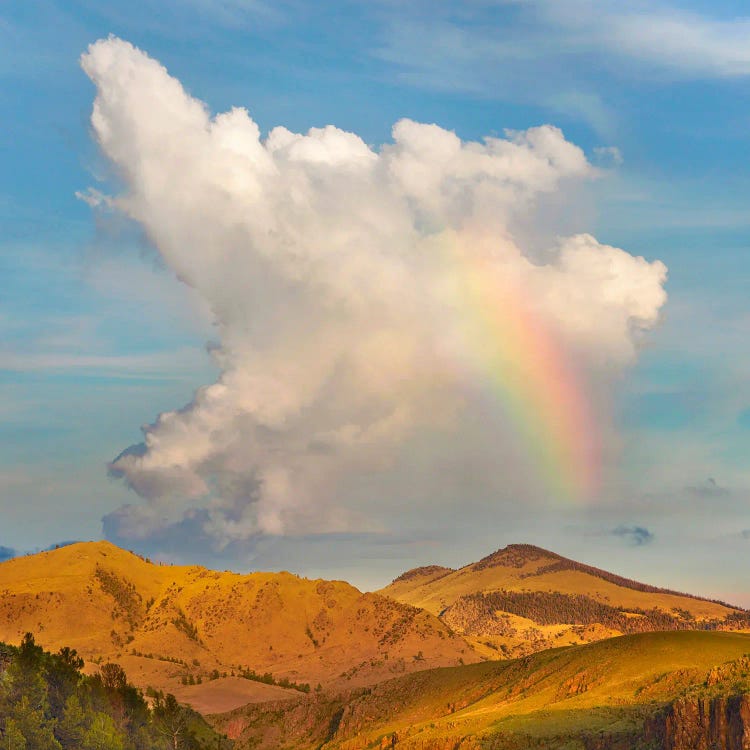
<point x="558" y="698"/>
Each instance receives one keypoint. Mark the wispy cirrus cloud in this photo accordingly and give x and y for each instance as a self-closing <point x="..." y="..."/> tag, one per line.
<point x="663" y="37"/>
<point x="553" y="54"/>
<point x="167" y="364"/>
<point x="235" y="13"/>
<point x="681" y="44"/>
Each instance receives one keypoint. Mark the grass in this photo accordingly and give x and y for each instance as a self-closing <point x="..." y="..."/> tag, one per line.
<point x="606" y="688"/>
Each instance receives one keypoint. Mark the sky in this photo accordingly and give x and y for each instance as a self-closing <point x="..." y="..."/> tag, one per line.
<point x="346" y="288"/>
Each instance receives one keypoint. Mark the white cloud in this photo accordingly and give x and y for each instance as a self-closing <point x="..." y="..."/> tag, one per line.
<point x="608" y="156"/>
<point x="360" y="297"/>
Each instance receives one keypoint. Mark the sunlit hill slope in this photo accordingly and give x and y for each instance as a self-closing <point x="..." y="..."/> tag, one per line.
<point x="168" y="625"/>
<point x="522" y="599"/>
<point x="678" y="690"/>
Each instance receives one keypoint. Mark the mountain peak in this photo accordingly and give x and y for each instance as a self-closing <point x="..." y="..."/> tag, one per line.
<point x="523" y="598"/>
<point x="515" y="556"/>
<point x="55" y="560"/>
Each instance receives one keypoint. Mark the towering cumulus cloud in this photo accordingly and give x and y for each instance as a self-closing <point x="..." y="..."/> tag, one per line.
<point x="383" y="320"/>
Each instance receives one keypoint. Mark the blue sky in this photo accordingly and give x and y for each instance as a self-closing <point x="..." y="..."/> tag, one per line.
<point x="97" y="338"/>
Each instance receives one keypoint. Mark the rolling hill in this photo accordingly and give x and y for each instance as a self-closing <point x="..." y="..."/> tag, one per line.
<point x="650" y="691"/>
<point x="523" y="599"/>
<point x="169" y="625"/>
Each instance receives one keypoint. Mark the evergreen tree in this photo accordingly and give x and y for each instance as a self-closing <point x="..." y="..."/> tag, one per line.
<point x="34" y="726"/>
<point x="46" y="703"/>
<point x="102" y="735"/>
<point x="12" y="737"/>
<point x="62" y="673"/>
<point x="72" y="727"/>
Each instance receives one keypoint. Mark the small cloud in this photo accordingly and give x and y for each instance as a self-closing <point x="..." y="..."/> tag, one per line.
<point x="634" y="535"/>
<point x="745" y="533"/>
<point x="94" y="198"/>
<point x="6" y="553"/>
<point x="586" y="106"/>
<point x="608" y="157"/>
<point x="707" y="489"/>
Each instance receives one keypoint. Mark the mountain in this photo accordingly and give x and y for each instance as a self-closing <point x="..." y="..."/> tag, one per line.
<point x="261" y="636"/>
<point x="650" y="691"/>
<point x="425" y="664"/>
<point x="523" y="599"/>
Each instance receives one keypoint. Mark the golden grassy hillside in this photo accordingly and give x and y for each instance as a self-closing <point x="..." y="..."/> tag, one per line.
<point x="522" y="599"/>
<point x="168" y="624"/>
<point x="555" y="699"/>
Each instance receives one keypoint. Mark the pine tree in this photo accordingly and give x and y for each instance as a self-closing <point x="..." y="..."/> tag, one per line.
<point x="102" y="735"/>
<point x="72" y="726"/>
<point x="34" y="726"/>
<point x="12" y="737"/>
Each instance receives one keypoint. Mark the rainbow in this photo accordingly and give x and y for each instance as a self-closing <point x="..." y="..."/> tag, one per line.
<point x="513" y="351"/>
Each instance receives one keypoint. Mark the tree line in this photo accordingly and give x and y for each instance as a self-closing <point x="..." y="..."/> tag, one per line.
<point x="47" y="703"/>
<point x="476" y="613"/>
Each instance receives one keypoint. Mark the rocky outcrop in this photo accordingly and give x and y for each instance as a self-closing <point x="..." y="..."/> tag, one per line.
<point x="721" y="723"/>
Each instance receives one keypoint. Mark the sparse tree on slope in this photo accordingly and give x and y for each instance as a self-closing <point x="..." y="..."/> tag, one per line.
<point x="171" y="721"/>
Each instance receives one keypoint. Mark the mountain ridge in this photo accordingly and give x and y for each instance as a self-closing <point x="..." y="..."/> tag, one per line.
<point x="522" y="598"/>
<point x="173" y="626"/>
<point x="524" y="551"/>
<point x="222" y="639"/>
<point x="570" y="564"/>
